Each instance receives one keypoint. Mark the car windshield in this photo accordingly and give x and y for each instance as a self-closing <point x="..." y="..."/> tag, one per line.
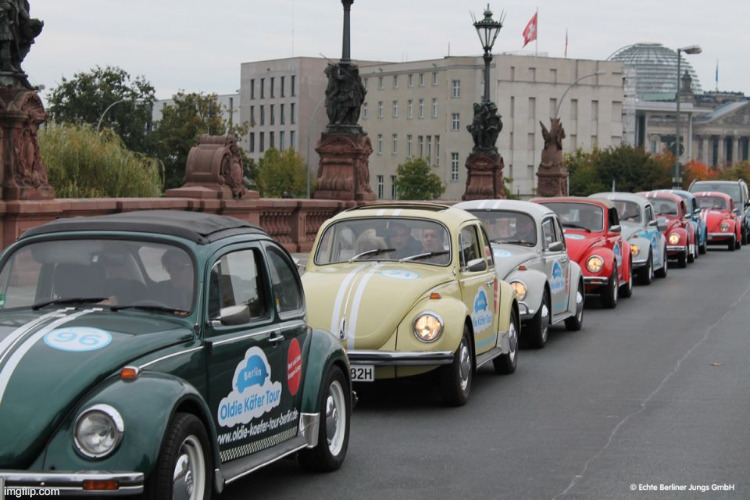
<point x="505" y="226"/>
<point x="586" y="216"/>
<point x="713" y="202"/>
<point x="730" y="188"/>
<point x="115" y="273"/>
<point x="664" y="206"/>
<point x="385" y="238"/>
<point x="628" y="211"/>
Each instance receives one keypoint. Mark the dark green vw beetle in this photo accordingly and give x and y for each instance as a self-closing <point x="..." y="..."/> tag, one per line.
<point x="160" y="352"/>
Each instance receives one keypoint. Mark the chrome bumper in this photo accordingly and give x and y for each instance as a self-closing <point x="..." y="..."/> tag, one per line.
<point x="595" y="280"/>
<point x="676" y="248"/>
<point x="710" y="237"/>
<point x="71" y="483"/>
<point x="391" y="358"/>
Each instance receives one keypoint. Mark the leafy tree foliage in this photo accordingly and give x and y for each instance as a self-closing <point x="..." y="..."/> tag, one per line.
<point x="630" y="169"/>
<point x="695" y="170"/>
<point x="282" y="171"/>
<point x="415" y="180"/>
<point x="191" y="115"/>
<point x="82" y="163"/>
<point x="87" y="96"/>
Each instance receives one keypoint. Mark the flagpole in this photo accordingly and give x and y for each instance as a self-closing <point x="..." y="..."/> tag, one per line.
<point x="536" y="40"/>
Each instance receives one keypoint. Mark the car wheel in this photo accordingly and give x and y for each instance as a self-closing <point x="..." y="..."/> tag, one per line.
<point x="610" y="292"/>
<point x="575" y="322"/>
<point x="662" y="273"/>
<point x="184" y="467"/>
<point x="692" y="253"/>
<point x="744" y="236"/>
<point x="703" y="247"/>
<point x="456" y="378"/>
<point x="738" y="244"/>
<point x="535" y="335"/>
<point x="682" y="260"/>
<point x="507" y="363"/>
<point x="646" y="276"/>
<point x="333" y="433"/>
<point x="732" y="245"/>
<point x="626" y="290"/>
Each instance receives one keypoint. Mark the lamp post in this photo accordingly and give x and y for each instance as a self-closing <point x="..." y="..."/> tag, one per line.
<point x="690" y="49"/>
<point x="99" y="124"/>
<point x="557" y="110"/>
<point x="487" y="30"/>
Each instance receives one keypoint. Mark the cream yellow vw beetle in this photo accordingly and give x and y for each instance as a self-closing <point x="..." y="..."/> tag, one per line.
<point x="411" y="289"/>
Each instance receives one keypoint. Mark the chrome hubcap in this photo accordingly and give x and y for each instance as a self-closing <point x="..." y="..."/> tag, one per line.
<point x="464" y="364"/>
<point x="335" y="417"/>
<point x="545" y="321"/>
<point x="513" y="341"/>
<point x="188" y="480"/>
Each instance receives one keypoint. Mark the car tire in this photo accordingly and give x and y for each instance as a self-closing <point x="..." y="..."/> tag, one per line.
<point x="537" y="329"/>
<point x="732" y="245"/>
<point x="703" y="248"/>
<point x="610" y="292"/>
<point x="456" y="378"/>
<point x="692" y="255"/>
<point x="682" y="260"/>
<point x="507" y="363"/>
<point x="744" y="236"/>
<point x="662" y="273"/>
<point x="335" y="417"/>
<point x="646" y="276"/>
<point x="626" y="290"/>
<point x="575" y="322"/>
<point x="185" y="465"/>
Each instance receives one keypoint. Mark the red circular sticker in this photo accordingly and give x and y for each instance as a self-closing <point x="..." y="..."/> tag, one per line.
<point x="294" y="366"/>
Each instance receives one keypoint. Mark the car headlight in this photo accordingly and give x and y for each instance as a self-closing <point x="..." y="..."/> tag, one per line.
<point x="98" y="431"/>
<point x="428" y="327"/>
<point x="674" y="238"/>
<point x="724" y="226"/>
<point x="634" y="250"/>
<point x="519" y="289"/>
<point x="594" y="264"/>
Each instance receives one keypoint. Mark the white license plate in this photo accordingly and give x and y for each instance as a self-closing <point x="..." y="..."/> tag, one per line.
<point x="363" y="373"/>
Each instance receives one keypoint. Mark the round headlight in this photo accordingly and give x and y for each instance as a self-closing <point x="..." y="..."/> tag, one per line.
<point x="595" y="264"/>
<point x="519" y="289"/>
<point x="98" y="431"/>
<point x="634" y="250"/>
<point x="674" y="238"/>
<point x="428" y="327"/>
<point x="724" y="226"/>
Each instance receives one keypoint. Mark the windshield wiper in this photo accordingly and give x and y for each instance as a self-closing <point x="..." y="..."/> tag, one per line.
<point x="149" y="307"/>
<point x="426" y="255"/>
<point x="70" y="300"/>
<point x="575" y="226"/>
<point x="517" y="242"/>
<point x="373" y="252"/>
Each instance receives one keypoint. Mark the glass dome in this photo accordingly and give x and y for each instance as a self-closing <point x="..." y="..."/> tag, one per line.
<point x="656" y="70"/>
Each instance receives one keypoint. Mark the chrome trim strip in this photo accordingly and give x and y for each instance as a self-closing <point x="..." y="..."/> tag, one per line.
<point x="309" y="424"/>
<point x="387" y="358"/>
<point x="676" y="248"/>
<point x="130" y="482"/>
<point x="246" y="336"/>
<point x="153" y="362"/>
<point x="595" y="280"/>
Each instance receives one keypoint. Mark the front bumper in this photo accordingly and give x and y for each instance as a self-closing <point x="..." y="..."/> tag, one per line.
<point x="676" y="249"/>
<point x="719" y="237"/>
<point x="594" y="281"/>
<point x="392" y="358"/>
<point x="72" y="483"/>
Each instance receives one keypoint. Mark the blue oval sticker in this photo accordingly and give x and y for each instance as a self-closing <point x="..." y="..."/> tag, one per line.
<point x="79" y="339"/>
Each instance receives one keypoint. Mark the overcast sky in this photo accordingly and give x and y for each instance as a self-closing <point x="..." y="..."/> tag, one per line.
<point x="199" y="46"/>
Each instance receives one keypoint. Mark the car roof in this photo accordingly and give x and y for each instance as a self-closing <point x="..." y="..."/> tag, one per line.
<point x="662" y="194"/>
<point x="679" y="192"/>
<point x="198" y="227"/>
<point x="713" y="194"/>
<point x="534" y="209"/>
<point x="622" y="196"/>
<point x="575" y="199"/>
<point x="441" y="213"/>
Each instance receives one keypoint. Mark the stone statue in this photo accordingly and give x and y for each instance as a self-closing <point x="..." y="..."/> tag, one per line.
<point x="344" y="94"/>
<point x="17" y="33"/>
<point x="485" y="126"/>
<point x="552" y="155"/>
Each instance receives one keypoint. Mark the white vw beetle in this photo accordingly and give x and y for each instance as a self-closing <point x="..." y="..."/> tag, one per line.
<point x="529" y="249"/>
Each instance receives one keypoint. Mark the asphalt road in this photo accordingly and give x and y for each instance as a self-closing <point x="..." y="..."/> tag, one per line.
<point x="645" y="400"/>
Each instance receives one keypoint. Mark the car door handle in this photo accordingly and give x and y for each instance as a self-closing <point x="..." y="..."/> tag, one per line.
<point x="275" y="338"/>
<point x="491" y="282"/>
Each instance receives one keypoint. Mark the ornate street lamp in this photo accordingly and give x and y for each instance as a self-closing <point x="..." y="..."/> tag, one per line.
<point x="487" y="30"/>
<point x="690" y="49"/>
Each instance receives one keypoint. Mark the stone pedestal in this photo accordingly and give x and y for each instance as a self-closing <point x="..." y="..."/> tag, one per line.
<point x="23" y="176"/>
<point x="344" y="172"/>
<point x="552" y="181"/>
<point x="480" y="165"/>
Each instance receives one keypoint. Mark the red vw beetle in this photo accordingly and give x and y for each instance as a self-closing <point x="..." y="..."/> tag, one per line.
<point x="594" y="240"/>
<point x="722" y="223"/>
<point x="675" y="224"/>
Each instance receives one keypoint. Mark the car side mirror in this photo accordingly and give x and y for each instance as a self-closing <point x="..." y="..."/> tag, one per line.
<point x="476" y="265"/>
<point x="556" y="246"/>
<point x="736" y="211"/>
<point x="661" y="224"/>
<point x="615" y="229"/>
<point x="234" y="315"/>
<point x="653" y="223"/>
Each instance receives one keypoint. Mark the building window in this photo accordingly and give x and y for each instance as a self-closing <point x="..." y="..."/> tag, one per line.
<point x="420" y="146"/>
<point x="262" y="115"/>
<point x="262" y="88"/>
<point x="380" y="144"/>
<point x="273" y="114"/>
<point x="434" y="78"/>
<point x="437" y="150"/>
<point x="410" y="109"/>
<point x="421" y="79"/>
<point x="272" y="86"/>
<point x="411" y="80"/>
<point x="292" y="114"/>
<point x="455" y="121"/>
<point x="380" y="109"/>
<point x="574" y="109"/>
<point x="594" y="111"/>
<point x="292" y="85"/>
<point x="252" y="88"/>
<point x="252" y="142"/>
<point x="456" y="89"/>
<point x="282" y="118"/>
<point x="532" y="74"/>
<point x="380" y="82"/>
<point x="395" y="81"/>
<point x="252" y="115"/>
<point x="421" y="108"/>
<point x="262" y="140"/>
<point x="395" y="109"/>
<point x="553" y="75"/>
<point x="532" y="107"/>
<point x="512" y="73"/>
<point x="381" y="187"/>
<point x="409" y="141"/>
<point x="271" y="142"/>
<point x="552" y="106"/>
<point x="281" y="140"/>
<point x="434" y="107"/>
<point x="429" y="148"/>
<point x="283" y="91"/>
<point x="292" y="139"/>
<point x="394" y="194"/>
<point x="395" y="144"/>
<point x="512" y="106"/>
<point x="454" y="167"/>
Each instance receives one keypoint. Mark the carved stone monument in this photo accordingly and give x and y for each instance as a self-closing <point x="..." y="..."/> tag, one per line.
<point x="344" y="148"/>
<point x="23" y="176"/>
<point x="484" y="165"/>
<point x="214" y="170"/>
<point x="552" y="177"/>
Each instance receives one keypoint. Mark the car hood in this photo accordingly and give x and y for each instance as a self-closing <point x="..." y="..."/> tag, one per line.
<point x="509" y="257"/>
<point x="49" y="360"/>
<point x="579" y="243"/>
<point x="363" y="303"/>
<point x="714" y="219"/>
<point x="629" y="229"/>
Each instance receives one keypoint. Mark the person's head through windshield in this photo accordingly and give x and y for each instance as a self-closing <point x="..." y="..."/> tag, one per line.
<point x="432" y="239"/>
<point x="402" y="241"/>
<point x="525" y="229"/>
<point x="180" y="282"/>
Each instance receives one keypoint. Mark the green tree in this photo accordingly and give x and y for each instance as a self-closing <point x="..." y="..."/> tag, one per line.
<point x="82" y="163"/>
<point x="86" y="97"/>
<point x="191" y="115"/>
<point x="415" y="180"/>
<point x="280" y="171"/>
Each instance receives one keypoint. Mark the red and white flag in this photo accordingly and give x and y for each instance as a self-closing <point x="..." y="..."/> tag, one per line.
<point x="529" y="34"/>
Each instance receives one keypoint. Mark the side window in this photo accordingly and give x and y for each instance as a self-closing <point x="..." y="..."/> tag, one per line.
<point x="614" y="219"/>
<point x="559" y="233"/>
<point x="286" y="287"/>
<point x="236" y="292"/>
<point x="548" y="232"/>
<point x="649" y="214"/>
<point x="470" y="252"/>
<point x="485" y="243"/>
